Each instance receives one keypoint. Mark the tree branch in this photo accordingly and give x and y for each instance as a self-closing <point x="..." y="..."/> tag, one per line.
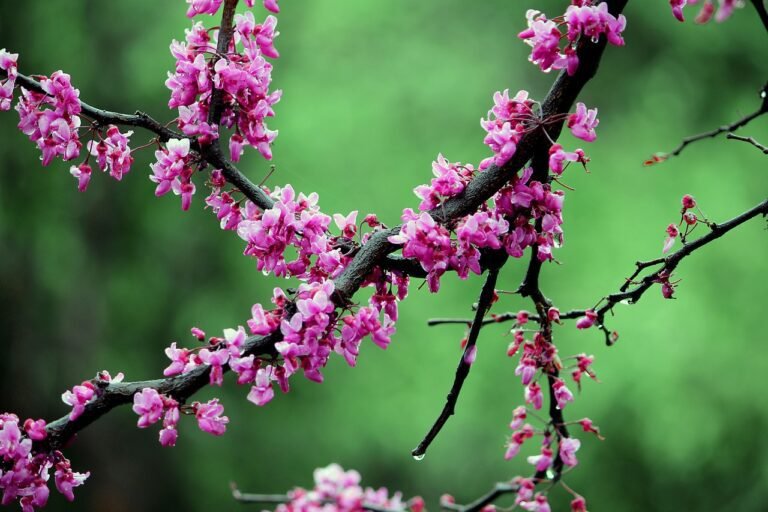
<point x="725" y="128"/>
<point x="760" y="8"/>
<point x="499" y="490"/>
<point x="632" y="291"/>
<point x="748" y="140"/>
<point x="462" y="371"/>
<point x="559" y="99"/>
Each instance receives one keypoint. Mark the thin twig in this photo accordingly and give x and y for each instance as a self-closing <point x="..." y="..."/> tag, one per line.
<point x="748" y="140"/>
<point x="462" y="370"/>
<point x="761" y="11"/>
<point x="725" y="128"/>
<point x="631" y="292"/>
<point x="499" y="490"/>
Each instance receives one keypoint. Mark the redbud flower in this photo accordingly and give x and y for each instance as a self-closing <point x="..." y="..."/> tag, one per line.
<point x="35" y="429"/>
<point x="672" y="233"/>
<point x="579" y="504"/>
<point x="688" y="202"/>
<point x="542" y="461"/>
<point x="583" y="123"/>
<point x="209" y="417"/>
<point x="7" y="64"/>
<point x="588" y="320"/>
<point x="518" y="416"/>
<point x="82" y="173"/>
<point x="568" y="448"/>
<point x="553" y="314"/>
<point x="562" y="394"/>
<point x="271" y="5"/>
<point x="148" y="404"/>
<point x="78" y="397"/>
<point x="534" y="396"/>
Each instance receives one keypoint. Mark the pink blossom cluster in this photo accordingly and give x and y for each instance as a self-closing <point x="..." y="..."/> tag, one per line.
<point x="508" y="120"/>
<point x="8" y="66"/>
<point x="173" y="171"/>
<point x="336" y="490"/>
<point x="24" y="473"/>
<point x="242" y="75"/>
<point x="724" y="9"/>
<point x="55" y="129"/>
<point x="450" y="180"/>
<point x="581" y="19"/>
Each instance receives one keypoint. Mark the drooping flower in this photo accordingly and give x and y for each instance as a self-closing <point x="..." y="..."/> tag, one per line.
<point x="583" y="123"/>
<point x="209" y="417"/>
<point x="148" y="404"/>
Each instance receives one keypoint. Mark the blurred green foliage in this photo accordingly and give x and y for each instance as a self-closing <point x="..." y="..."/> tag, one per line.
<point x="373" y="91"/>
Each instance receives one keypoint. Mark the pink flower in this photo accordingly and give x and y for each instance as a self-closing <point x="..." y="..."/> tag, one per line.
<point x="261" y="392"/>
<point x="579" y="504"/>
<point x="562" y="394"/>
<point x="173" y="171"/>
<point x="347" y="225"/>
<point x="526" y="369"/>
<point x="78" y="397"/>
<point x="542" y="461"/>
<point x="168" y="436"/>
<point x="517" y="440"/>
<point x="677" y="8"/>
<point x="271" y="5"/>
<point x="470" y="355"/>
<point x="557" y="157"/>
<point x="672" y="233"/>
<point x="534" y="396"/>
<point x="82" y="173"/>
<point x="209" y="417"/>
<point x="35" y="429"/>
<point x="67" y="480"/>
<point x="688" y="202"/>
<point x="113" y="152"/>
<point x="7" y="64"/>
<point x="553" y="314"/>
<point x="518" y="417"/>
<point x="148" y="404"/>
<point x="539" y="504"/>
<point x="583" y="123"/>
<point x="588" y="320"/>
<point x="203" y="7"/>
<point x="568" y="448"/>
<point x="54" y="130"/>
<point x="180" y="361"/>
<point x="216" y="359"/>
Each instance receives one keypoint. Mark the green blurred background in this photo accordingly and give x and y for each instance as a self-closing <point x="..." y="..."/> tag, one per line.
<point x="372" y="92"/>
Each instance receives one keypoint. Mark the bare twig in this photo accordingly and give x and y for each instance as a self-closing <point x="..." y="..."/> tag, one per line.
<point x="748" y="140"/>
<point x="761" y="11"/>
<point x="725" y="128"/>
<point x="632" y="291"/>
<point x="462" y="370"/>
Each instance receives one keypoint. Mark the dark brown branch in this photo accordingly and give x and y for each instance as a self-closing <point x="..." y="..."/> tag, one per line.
<point x="499" y="490"/>
<point x="560" y="99"/>
<point x="761" y="11"/>
<point x="748" y="140"/>
<point x="105" y="117"/>
<point x="462" y="370"/>
<point x="631" y="291"/>
<point x="725" y="128"/>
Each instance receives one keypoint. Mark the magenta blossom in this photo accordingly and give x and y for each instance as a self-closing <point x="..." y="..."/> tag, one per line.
<point x="7" y="64"/>
<point x="568" y="448"/>
<point x="209" y="417"/>
<point x="78" y="397"/>
<point x="583" y="123"/>
<point x="148" y="404"/>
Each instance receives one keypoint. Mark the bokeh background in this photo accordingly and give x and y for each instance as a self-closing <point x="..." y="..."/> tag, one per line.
<point x="373" y="91"/>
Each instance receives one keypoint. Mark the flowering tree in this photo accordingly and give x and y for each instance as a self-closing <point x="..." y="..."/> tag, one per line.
<point x="471" y="219"/>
